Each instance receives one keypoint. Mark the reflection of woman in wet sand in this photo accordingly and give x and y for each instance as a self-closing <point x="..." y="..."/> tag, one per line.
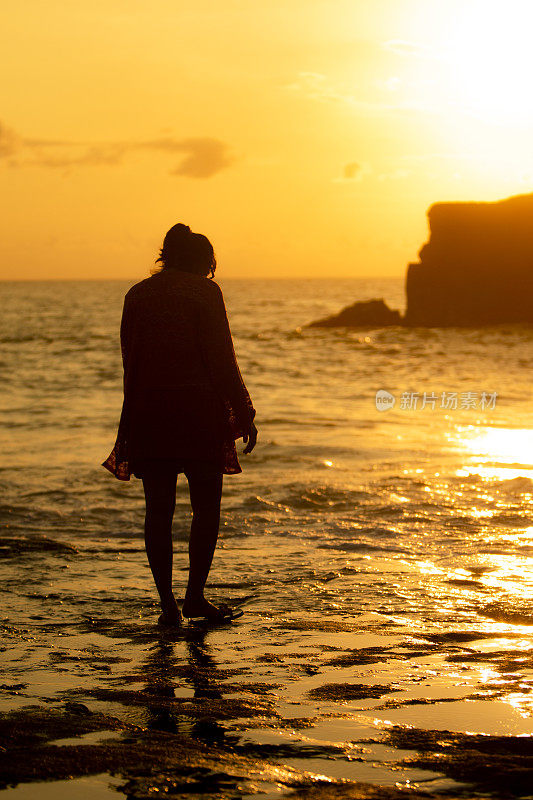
<point x="185" y="404"/>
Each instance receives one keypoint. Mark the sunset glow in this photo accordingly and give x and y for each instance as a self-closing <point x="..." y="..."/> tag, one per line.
<point x="491" y="61"/>
<point x="296" y="137"/>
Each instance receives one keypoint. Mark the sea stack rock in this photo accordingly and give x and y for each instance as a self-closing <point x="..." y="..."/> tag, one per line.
<point x="365" y="314"/>
<point x="477" y="267"/>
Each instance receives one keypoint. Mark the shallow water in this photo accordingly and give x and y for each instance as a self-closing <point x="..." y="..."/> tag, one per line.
<point x="389" y="549"/>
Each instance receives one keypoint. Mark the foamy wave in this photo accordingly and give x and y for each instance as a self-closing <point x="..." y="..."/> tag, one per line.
<point x="520" y="613"/>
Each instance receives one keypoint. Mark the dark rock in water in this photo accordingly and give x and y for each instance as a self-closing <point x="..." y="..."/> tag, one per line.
<point x="477" y="267"/>
<point x="345" y="692"/>
<point x="14" y="546"/>
<point x="77" y="708"/>
<point x="366" y="314"/>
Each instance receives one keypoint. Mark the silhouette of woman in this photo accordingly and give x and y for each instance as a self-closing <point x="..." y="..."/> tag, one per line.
<point x="185" y="404"/>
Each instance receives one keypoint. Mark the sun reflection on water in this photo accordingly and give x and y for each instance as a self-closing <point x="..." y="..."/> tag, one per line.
<point x="504" y="453"/>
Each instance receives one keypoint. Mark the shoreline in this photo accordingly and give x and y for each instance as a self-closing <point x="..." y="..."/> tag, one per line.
<point x="297" y="704"/>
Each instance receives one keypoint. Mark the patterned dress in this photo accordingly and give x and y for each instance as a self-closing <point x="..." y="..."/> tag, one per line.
<point x="184" y="396"/>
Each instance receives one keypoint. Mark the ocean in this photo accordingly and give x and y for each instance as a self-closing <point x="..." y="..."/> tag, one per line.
<point x="351" y="528"/>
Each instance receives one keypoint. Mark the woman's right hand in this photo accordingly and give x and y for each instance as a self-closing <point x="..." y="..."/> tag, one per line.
<point x="250" y="438"/>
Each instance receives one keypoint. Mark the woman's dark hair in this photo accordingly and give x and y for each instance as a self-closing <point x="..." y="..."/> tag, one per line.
<point x="188" y="251"/>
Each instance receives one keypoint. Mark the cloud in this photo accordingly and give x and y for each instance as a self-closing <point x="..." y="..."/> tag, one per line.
<point x="317" y="86"/>
<point x="203" y="156"/>
<point x="403" y="47"/>
<point x="10" y="142"/>
<point x="438" y="155"/>
<point x="394" y="175"/>
<point x="353" y="171"/>
<point x="96" y="155"/>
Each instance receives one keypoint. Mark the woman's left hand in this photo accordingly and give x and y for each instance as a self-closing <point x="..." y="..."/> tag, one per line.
<point x="250" y="439"/>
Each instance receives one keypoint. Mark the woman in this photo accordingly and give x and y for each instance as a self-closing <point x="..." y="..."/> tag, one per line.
<point x="185" y="404"/>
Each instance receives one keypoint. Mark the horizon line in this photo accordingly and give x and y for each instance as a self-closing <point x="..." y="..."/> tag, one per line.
<point x="230" y="277"/>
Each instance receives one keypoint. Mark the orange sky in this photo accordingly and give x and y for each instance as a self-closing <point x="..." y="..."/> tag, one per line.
<point x="303" y="138"/>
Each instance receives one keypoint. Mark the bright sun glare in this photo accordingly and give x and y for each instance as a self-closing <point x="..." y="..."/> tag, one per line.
<point x="490" y="60"/>
<point x="497" y="452"/>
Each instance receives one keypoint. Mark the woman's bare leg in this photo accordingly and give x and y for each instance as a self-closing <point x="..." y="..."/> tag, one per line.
<point x="205" y="490"/>
<point x="160" y="494"/>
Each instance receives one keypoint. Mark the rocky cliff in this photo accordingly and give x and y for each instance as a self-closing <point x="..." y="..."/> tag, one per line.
<point x="477" y="267"/>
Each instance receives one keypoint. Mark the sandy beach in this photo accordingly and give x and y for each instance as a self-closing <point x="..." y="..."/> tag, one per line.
<point x="299" y="704"/>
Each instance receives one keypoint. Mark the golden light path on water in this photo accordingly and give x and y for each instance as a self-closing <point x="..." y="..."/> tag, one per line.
<point x="502" y="457"/>
<point x="503" y="453"/>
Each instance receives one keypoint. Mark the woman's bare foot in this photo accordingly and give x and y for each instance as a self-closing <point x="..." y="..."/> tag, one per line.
<point x="171" y="614"/>
<point x="200" y="607"/>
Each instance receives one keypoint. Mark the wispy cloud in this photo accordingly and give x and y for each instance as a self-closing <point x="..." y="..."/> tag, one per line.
<point x="402" y="47"/>
<point x="317" y="86"/>
<point x="394" y="175"/>
<point x="202" y="156"/>
<point x="10" y="142"/>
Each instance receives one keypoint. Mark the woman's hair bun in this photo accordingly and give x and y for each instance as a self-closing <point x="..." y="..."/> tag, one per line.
<point x="180" y="231"/>
<point x="186" y="250"/>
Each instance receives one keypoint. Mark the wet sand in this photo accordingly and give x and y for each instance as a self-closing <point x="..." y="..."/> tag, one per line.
<point x="96" y="698"/>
